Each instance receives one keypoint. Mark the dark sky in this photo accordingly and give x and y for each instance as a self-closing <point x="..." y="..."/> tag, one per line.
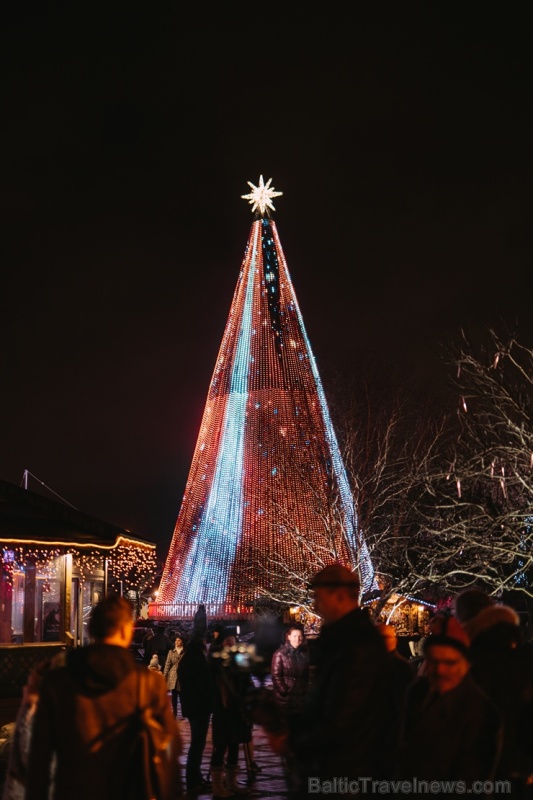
<point x="399" y="134"/>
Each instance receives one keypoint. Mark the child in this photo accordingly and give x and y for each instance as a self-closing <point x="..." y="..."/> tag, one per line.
<point x="154" y="663"/>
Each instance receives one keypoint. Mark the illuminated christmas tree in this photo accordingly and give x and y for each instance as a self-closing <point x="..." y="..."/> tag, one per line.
<point x="266" y="460"/>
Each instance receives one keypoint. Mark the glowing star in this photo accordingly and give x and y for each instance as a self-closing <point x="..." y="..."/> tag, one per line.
<point x="261" y="196"/>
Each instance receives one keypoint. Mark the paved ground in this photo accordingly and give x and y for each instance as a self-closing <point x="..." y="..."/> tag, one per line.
<point x="269" y="782"/>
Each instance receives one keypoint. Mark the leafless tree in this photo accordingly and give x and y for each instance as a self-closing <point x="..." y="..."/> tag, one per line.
<point x="390" y="445"/>
<point x="442" y="502"/>
<point x="283" y="576"/>
<point x="388" y="450"/>
<point x="479" y="508"/>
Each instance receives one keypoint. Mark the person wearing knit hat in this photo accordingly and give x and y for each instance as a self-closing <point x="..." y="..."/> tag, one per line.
<point x="499" y="620"/>
<point x="468" y="603"/>
<point x="447" y="653"/>
<point x="445" y="705"/>
<point x="502" y="665"/>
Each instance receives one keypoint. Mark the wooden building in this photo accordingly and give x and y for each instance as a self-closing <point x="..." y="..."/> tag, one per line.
<point x="56" y="564"/>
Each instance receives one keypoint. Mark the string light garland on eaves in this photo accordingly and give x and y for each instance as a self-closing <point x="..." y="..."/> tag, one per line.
<point x="120" y="541"/>
<point x="267" y="461"/>
<point x="126" y="563"/>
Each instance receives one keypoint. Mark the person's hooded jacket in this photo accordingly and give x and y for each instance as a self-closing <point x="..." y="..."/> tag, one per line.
<point x="82" y="721"/>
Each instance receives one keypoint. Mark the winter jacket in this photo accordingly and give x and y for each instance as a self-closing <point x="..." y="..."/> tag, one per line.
<point x="158" y="645"/>
<point x="230" y="723"/>
<point x="350" y="707"/>
<point x="290" y="677"/>
<point x="194" y="678"/>
<point x="450" y="736"/>
<point x="199" y="624"/>
<point x="403" y="674"/>
<point x="170" y="671"/>
<point x="82" y="717"/>
<point x="17" y="768"/>
<point x="502" y="665"/>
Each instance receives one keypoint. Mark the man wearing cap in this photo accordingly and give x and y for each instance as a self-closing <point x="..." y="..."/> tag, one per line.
<point x="450" y="728"/>
<point x="349" y="710"/>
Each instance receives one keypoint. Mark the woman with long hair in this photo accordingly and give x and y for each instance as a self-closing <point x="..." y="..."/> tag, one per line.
<point x="170" y="672"/>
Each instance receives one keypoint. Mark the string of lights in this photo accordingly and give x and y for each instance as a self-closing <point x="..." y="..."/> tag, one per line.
<point x="124" y="563"/>
<point x="266" y="452"/>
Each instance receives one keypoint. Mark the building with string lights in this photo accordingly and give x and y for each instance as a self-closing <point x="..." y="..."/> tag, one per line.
<point x="266" y="468"/>
<point x="57" y="563"/>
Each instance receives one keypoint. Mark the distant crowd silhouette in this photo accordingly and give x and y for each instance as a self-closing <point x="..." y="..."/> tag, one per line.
<point x="347" y="713"/>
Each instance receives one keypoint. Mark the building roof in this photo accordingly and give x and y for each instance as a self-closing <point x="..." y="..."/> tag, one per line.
<point x="26" y="517"/>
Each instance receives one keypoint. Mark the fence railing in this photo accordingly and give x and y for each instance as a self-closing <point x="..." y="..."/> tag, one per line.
<point x="158" y="610"/>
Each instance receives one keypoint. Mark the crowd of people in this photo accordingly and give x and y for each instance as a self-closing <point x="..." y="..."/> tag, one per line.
<point x="351" y="709"/>
<point x="463" y="714"/>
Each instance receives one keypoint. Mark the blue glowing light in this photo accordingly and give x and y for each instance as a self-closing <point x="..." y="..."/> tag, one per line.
<point x="266" y="439"/>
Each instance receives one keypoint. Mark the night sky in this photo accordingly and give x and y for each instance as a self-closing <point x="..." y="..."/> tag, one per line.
<point x="400" y="136"/>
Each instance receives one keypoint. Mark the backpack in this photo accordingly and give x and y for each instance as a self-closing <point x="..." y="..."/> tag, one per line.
<point x="149" y="768"/>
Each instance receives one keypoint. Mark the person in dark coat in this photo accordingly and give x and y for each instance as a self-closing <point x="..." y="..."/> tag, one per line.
<point x="451" y="730"/>
<point x="213" y="640"/>
<point x="84" y="713"/>
<point x="290" y="672"/>
<point x="158" y="645"/>
<point x="502" y="665"/>
<point x="148" y="636"/>
<point x="196" y="697"/>
<point x="230" y="725"/>
<point x="402" y="674"/>
<point x="290" y="682"/>
<point x="199" y="623"/>
<point x="348" y="712"/>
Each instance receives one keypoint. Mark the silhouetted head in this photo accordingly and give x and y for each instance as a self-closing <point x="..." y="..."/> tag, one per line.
<point x="389" y="636"/>
<point x="336" y="589"/>
<point x="111" y="621"/>
<point x="468" y="603"/>
<point x="447" y="653"/>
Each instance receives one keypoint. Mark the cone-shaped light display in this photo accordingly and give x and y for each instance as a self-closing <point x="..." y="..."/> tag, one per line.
<point x="267" y="465"/>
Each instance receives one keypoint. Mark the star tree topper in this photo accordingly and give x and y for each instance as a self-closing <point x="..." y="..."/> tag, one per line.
<point x="261" y="196"/>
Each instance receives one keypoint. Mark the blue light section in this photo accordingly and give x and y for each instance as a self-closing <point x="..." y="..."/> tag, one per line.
<point x="353" y="534"/>
<point x="210" y="561"/>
